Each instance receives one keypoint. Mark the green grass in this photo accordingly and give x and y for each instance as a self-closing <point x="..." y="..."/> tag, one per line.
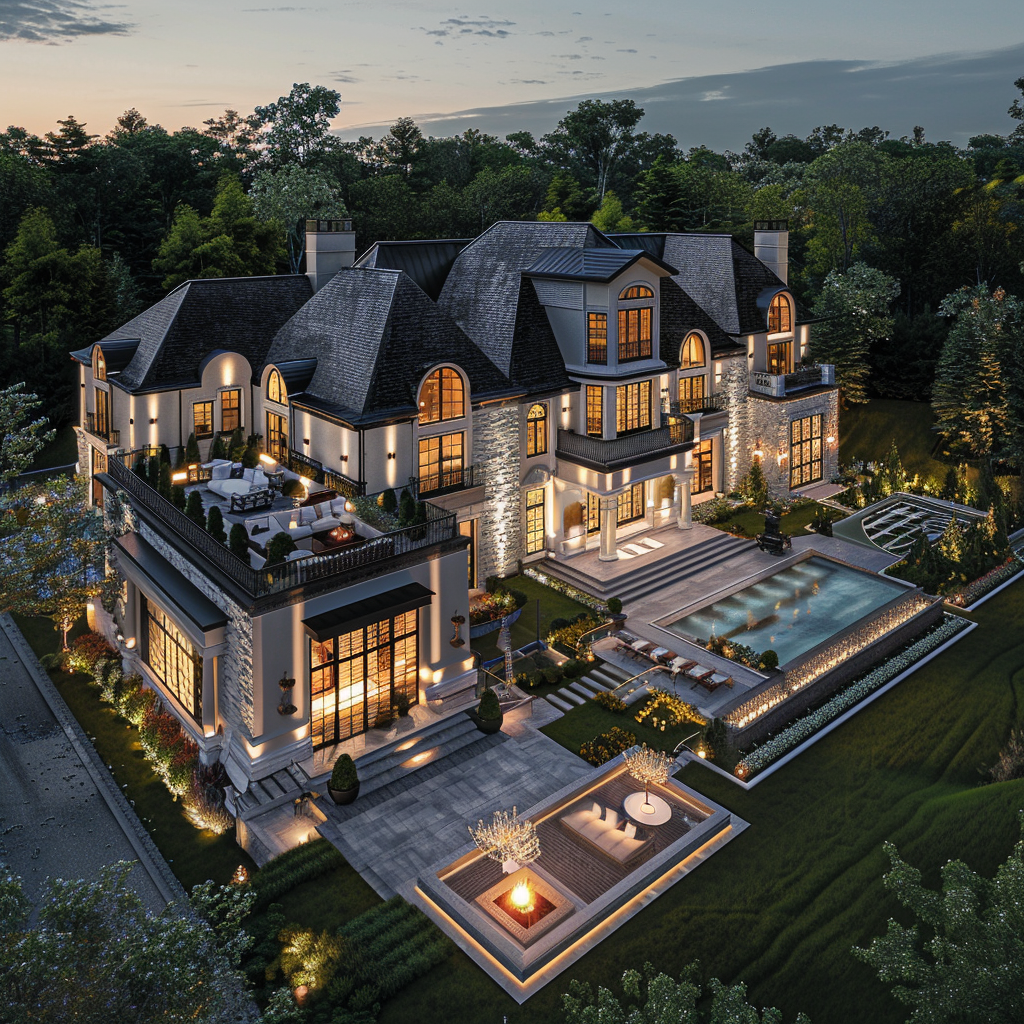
<point x="524" y="630"/>
<point x="751" y="521"/>
<point x="866" y="432"/>
<point x="781" y="905"/>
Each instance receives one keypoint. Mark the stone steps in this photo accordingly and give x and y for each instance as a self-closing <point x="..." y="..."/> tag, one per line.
<point x="555" y="701"/>
<point x="566" y="694"/>
<point x="273" y="791"/>
<point x="582" y="689"/>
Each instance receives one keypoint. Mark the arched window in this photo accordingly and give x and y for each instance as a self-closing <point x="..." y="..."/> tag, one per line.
<point x="636" y="291"/>
<point x="537" y="431"/>
<point x="276" y="391"/>
<point x="780" y="316"/>
<point x="442" y="397"/>
<point x="99" y="364"/>
<point x="691" y="355"/>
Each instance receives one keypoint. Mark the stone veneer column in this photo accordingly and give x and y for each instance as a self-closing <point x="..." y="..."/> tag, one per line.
<point x="737" y="443"/>
<point x="496" y="448"/>
<point x="609" y="524"/>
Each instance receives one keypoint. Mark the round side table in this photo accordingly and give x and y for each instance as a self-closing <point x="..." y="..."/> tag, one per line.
<point x="651" y="811"/>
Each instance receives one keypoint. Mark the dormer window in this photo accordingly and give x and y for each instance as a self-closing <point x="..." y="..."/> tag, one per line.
<point x="537" y="431"/>
<point x="442" y="397"/>
<point x="99" y="364"/>
<point x="636" y="323"/>
<point x="276" y="391"/>
<point x="597" y="338"/>
<point x="691" y="356"/>
<point x="780" y="316"/>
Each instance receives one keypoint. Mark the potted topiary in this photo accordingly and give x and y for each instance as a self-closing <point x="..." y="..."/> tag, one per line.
<point x="344" y="785"/>
<point x="615" y="610"/>
<point x="487" y="715"/>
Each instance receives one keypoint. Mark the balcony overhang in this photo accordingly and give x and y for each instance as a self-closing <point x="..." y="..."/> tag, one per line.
<point x="347" y="617"/>
<point x="623" y="452"/>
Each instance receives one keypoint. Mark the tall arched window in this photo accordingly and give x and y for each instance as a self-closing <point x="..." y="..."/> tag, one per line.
<point x="442" y="397"/>
<point x="636" y="323"/>
<point x="276" y="391"/>
<point x="537" y="431"/>
<point x="691" y="356"/>
<point x="99" y="364"/>
<point x="780" y="315"/>
<point x="636" y="291"/>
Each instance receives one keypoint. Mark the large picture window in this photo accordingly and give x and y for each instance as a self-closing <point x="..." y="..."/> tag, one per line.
<point x="631" y="505"/>
<point x="356" y="676"/>
<point x="595" y="421"/>
<point x="635" y="333"/>
<point x="102" y="422"/>
<point x="703" y="479"/>
<point x="441" y="465"/>
<point x="277" y="436"/>
<point x="597" y="338"/>
<point x="202" y="419"/>
<point x="691" y="394"/>
<point x="805" y="462"/>
<point x="633" y="407"/>
<point x="780" y="315"/>
<point x="172" y="659"/>
<point x="779" y="357"/>
<point x="537" y="431"/>
<point x="230" y="410"/>
<point x="442" y="397"/>
<point x="535" y="520"/>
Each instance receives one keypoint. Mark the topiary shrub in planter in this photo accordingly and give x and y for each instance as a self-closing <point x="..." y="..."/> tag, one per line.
<point x="238" y="542"/>
<point x="487" y="716"/>
<point x="769" y="659"/>
<point x="388" y="502"/>
<point x="614" y="607"/>
<point x="344" y="783"/>
<point x="192" y="449"/>
<point x="194" y="509"/>
<point x="215" y="524"/>
<point x="218" y="450"/>
<point x="279" y="547"/>
<point x="293" y="489"/>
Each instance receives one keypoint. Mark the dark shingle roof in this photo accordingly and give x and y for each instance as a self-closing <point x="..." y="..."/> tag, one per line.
<point x="200" y="317"/>
<point x="116" y="354"/>
<point x="426" y="262"/>
<point x="591" y="264"/>
<point x="482" y="290"/>
<point x="373" y="334"/>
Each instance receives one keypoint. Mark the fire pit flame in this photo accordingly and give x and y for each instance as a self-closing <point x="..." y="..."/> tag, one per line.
<point x="521" y="897"/>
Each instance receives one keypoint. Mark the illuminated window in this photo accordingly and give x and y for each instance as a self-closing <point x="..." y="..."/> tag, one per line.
<point x="99" y="364"/>
<point x="277" y="436"/>
<point x="593" y="513"/>
<point x="356" y="676"/>
<point x="631" y="505"/>
<point x="202" y="419"/>
<point x="595" y="425"/>
<point x="230" y="410"/>
<point x="702" y="479"/>
<point x="635" y="333"/>
<point x="597" y="338"/>
<point x="442" y="397"/>
<point x="535" y="520"/>
<point x="691" y="394"/>
<point x="172" y="659"/>
<point x="780" y="315"/>
<point x="691" y="356"/>
<point x="635" y="291"/>
<point x="633" y="407"/>
<point x="805" y="462"/>
<point x="276" y="391"/>
<point x="779" y="356"/>
<point x="537" y="431"/>
<point x="102" y="420"/>
<point x="441" y="466"/>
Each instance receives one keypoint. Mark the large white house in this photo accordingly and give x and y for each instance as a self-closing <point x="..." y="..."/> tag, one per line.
<point x="541" y="390"/>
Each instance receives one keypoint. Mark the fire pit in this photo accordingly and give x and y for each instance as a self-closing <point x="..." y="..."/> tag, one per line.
<point x="525" y="905"/>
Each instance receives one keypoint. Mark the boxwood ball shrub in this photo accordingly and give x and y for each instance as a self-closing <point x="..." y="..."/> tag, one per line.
<point x="614" y="605"/>
<point x="343" y="774"/>
<point x="293" y="489"/>
<point x="489" y="708"/>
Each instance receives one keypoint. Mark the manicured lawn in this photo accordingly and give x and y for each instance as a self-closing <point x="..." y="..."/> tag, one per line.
<point x="781" y="905"/>
<point x="866" y="432"/>
<point x="524" y="630"/>
<point x="751" y="521"/>
<point x="328" y="901"/>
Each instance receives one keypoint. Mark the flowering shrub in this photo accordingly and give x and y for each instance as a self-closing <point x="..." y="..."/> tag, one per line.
<point x="571" y="634"/>
<point x="85" y="651"/>
<point x="488" y="607"/>
<point x="966" y="596"/>
<point x="803" y="728"/>
<point x="606" y="746"/>
<point x="667" y="709"/>
<point x="715" y="511"/>
<point x="610" y="702"/>
<point x="566" y="589"/>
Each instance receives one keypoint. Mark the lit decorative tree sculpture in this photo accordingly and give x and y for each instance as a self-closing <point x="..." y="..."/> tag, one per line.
<point x="510" y="842"/>
<point x="651" y="767"/>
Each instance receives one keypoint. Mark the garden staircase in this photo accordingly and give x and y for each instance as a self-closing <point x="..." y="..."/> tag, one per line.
<point x="601" y="678"/>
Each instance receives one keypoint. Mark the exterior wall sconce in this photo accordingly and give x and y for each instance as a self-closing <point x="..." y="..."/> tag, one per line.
<point x="344" y="458"/>
<point x="152" y="419"/>
<point x="130" y="643"/>
<point x="830" y="439"/>
<point x="565" y="408"/>
<point x="305" y="440"/>
<point x="391" y="455"/>
<point x="457" y="621"/>
<point x="131" y="421"/>
<point x="286" y="707"/>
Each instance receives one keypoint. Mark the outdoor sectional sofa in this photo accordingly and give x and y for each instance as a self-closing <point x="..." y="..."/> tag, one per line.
<point x="607" y="831"/>
<point x="228" y="479"/>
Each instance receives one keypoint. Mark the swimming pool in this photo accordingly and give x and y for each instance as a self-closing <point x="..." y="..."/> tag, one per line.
<point x="792" y="610"/>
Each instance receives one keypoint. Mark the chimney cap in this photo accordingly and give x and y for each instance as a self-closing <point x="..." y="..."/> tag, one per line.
<point x="323" y="226"/>
<point x="771" y="225"/>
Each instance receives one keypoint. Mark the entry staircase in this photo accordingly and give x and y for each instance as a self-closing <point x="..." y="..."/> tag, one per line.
<point x="649" y="576"/>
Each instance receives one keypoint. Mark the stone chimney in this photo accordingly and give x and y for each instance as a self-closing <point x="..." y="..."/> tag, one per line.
<point x="771" y="246"/>
<point x="330" y="246"/>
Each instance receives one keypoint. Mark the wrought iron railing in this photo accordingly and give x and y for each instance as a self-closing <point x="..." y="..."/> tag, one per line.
<point x="311" y="469"/>
<point x="439" y="527"/>
<point x="99" y="427"/>
<point x="778" y="385"/>
<point x="459" y="478"/>
<point x="620" y="451"/>
<point x="702" y="403"/>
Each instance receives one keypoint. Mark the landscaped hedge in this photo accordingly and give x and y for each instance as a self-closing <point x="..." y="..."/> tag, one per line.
<point x="570" y="634"/>
<point x="803" y="728"/>
<point x="606" y="746"/>
<point x="966" y="596"/>
<point x="305" y="862"/>
<point x="610" y="702"/>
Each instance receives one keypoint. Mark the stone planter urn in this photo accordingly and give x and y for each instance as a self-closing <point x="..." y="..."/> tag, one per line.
<point x="343" y="786"/>
<point x="343" y="796"/>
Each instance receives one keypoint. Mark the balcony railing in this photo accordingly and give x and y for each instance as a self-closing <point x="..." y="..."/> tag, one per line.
<point x="101" y="428"/>
<point x="459" y="478"/>
<point x="781" y="385"/>
<point x="439" y="527"/>
<point x="623" y="451"/>
<point x="704" y="403"/>
<point x="313" y="470"/>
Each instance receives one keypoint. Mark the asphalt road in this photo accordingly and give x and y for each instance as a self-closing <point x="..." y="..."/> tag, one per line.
<point x="55" y="819"/>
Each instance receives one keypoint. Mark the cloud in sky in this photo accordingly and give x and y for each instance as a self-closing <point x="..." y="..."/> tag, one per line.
<point x="489" y="27"/>
<point x="55" y="21"/>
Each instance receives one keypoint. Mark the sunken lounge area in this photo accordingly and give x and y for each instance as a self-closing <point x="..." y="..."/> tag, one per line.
<point x="602" y="850"/>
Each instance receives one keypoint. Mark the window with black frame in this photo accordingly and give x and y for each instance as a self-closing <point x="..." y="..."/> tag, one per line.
<point x="805" y="461"/>
<point x="172" y="659"/>
<point x="537" y="431"/>
<point x="597" y="338"/>
<point x="702" y="479"/>
<point x="633" y="407"/>
<point x="277" y="436"/>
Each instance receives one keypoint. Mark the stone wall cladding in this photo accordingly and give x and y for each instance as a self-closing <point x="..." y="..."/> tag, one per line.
<point x="84" y="455"/>
<point x="496" y="447"/>
<point x="736" y="446"/>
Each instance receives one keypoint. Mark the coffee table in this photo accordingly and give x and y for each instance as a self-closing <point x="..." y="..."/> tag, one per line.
<point x="651" y="811"/>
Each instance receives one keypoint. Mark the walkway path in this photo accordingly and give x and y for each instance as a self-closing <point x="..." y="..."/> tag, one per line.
<point x="61" y="812"/>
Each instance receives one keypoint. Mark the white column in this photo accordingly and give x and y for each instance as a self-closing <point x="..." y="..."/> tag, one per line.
<point x="685" y="522"/>
<point x="609" y="522"/>
<point x="210" y="666"/>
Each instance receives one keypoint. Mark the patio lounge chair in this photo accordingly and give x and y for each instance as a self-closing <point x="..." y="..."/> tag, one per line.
<point x="604" y="830"/>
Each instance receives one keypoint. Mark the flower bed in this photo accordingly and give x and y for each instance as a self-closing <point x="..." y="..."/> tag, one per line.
<point x="666" y="709"/>
<point x="566" y="589"/>
<point x="803" y="728"/>
<point x="606" y="746"/>
<point x="976" y="590"/>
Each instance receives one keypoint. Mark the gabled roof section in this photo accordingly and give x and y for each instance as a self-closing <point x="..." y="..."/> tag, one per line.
<point x="176" y="335"/>
<point x="482" y="290"/>
<point x="374" y="334"/>
<point x="297" y="373"/>
<point x="117" y="354"/>
<point x="426" y="262"/>
<point x="590" y="264"/>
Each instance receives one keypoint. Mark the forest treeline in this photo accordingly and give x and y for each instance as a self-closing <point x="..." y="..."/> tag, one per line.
<point x="94" y="228"/>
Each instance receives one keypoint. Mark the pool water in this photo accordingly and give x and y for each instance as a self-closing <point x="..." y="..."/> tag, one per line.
<point x="792" y="611"/>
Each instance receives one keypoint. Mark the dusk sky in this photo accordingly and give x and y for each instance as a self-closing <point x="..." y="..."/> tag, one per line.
<point x="183" y="62"/>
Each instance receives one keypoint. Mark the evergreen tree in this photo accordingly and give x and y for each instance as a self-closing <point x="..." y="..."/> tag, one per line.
<point x="891" y="473"/>
<point x="238" y="542"/>
<point x="194" y="509"/>
<point x="191" y="450"/>
<point x="215" y="524"/>
<point x="164" y="485"/>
